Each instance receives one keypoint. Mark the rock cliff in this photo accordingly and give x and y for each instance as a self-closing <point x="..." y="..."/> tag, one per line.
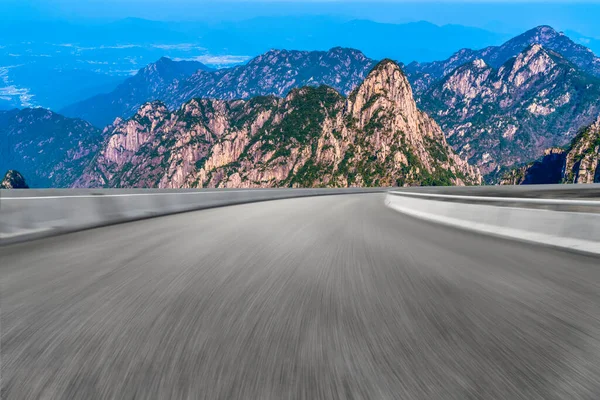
<point x="13" y="180"/>
<point x="424" y="75"/>
<point x="547" y="170"/>
<point x="582" y="163"/>
<point x="506" y="116"/>
<point x="314" y="136"/>
<point x="273" y="73"/>
<point x="579" y="163"/>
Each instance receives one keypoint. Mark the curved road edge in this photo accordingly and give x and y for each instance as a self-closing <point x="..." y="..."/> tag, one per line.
<point x="32" y="214"/>
<point x="576" y="231"/>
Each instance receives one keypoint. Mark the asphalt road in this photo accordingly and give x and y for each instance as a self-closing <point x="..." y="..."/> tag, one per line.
<point x="313" y="298"/>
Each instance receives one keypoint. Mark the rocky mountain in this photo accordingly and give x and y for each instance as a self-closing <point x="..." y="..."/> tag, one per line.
<point x="509" y="115"/>
<point x="276" y="73"/>
<point x="148" y="84"/>
<point x="48" y="148"/>
<point x="312" y="137"/>
<point x="13" y="180"/>
<point x="546" y="170"/>
<point x="578" y="163"/>
<point x="423" y="75"/>
<point x="582" y="162"/>
<point x="273" y="73"/>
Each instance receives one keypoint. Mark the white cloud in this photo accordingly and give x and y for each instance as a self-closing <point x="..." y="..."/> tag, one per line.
<point x="218" y="60"/>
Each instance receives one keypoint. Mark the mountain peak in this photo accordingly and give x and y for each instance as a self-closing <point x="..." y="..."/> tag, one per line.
<point x="551" y="40"/>
<point x="313" y="137"/>
<point x="335" y="52"/>
<point x="386" y="74"/>
<point x="182" y="65"/>
<point x="386" y="88"/>
<point x="346" y="51"/>
<point x="13" y="180"/>
<point x="387" y="78"/>
<point x="164" y="59"/>
<point x="159" y="65"/>
<point x="536" y="98"/>
<point x="386" y="64"/>
<point x="425" y="74"/>
<point x="545" y="32"/>
<point x="275" y="72"/>
<point x="167" y="69"/>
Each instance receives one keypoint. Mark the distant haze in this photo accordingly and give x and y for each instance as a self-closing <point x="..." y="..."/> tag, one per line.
<point x="54" y="53"/>
<point x="504" y="17"/>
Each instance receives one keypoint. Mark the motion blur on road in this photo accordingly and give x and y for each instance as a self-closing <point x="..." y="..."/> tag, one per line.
<point x="333" y="297"/>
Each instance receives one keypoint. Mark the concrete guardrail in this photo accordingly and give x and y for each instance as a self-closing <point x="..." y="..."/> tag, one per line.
<point x="536" y="220"/>
<point x="30" y="214"/>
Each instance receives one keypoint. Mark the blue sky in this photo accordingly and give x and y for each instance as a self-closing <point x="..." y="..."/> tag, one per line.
<point x="507" y="16"/>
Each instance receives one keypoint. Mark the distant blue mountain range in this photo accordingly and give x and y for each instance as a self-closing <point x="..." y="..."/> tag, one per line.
<point x="53" y="63"/>
<point x="417" y="41"/>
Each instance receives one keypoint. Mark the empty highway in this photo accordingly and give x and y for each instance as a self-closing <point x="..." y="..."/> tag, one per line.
<point x="334" y="297"/>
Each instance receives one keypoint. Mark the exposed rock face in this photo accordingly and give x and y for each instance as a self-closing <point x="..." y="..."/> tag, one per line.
<point x="424" y="75"/>
<point x="13" y="180"/>
<point x="506" y="116"/>
<point x="148" y="84"/>
<point x="276" y="73"/>
<point x="49" y="149"/>
<point x="312" y="137"/>
<point x="547" y="170"/>
<point x="580" y="163"/>
<point x="273" y="73"/>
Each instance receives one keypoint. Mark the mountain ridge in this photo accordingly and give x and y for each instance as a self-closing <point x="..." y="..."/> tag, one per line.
<point x="578" y="163"/>
<point x="49" y="149"/>
<point x="275" y="72"/>
<point x="424" y="74"/>
<point x="149" y="82"/>
<point x="312" y="137"/>
<point x="495" y="115"/>
<point x="13" y="180"/>
<point x="509" y="115"/>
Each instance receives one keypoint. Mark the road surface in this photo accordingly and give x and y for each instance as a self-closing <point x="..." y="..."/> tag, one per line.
<point x="333" y="297"/>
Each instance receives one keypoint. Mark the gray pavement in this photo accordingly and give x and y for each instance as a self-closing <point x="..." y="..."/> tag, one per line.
<point x="334" y="297"/>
